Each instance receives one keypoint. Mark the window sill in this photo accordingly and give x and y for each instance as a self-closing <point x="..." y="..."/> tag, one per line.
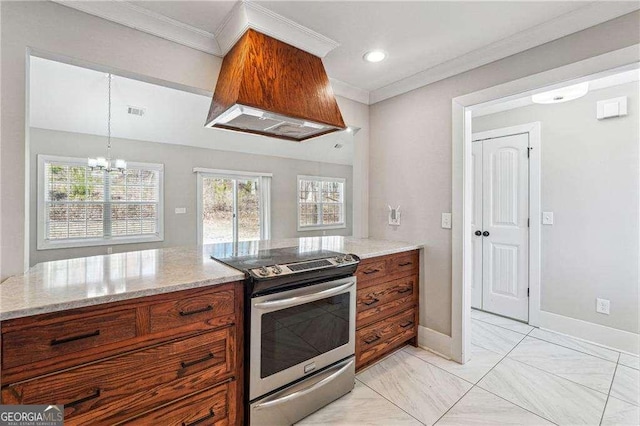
<point x="321" y="227"/>
<point x="52" y="245"/>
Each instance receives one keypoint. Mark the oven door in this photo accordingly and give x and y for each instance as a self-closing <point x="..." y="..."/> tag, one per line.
<point x="297" y="332"/>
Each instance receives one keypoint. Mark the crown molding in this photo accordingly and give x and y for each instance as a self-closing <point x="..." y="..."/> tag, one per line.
<point x="577" y="20"/>
<point x="244" y="15"/>
<point x="247" y="14"/>
<point x="340" y="88"/>
<point x="142" y="19"/>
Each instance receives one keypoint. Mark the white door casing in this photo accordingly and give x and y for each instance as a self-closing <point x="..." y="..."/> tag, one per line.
<point x="462" y="108"/>
<point x="264" y="181"/>
<point x="476" y="224"/>
<point x="505" y="215"/>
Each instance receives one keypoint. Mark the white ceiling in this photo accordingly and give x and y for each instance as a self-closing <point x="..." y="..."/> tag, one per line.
<point x="205" y="15"/>
<point x="416" y="35"/>
<point x="426" y="40"/>
<point x="76" y="101"/>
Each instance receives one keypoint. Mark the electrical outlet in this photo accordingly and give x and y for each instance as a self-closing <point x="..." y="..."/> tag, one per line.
<point x="446" y="220"/>
<point x="602" y="306"/>
<point x="547" y="218"/>
<point x="181" y="210"/>
<point x="109" y="250"/>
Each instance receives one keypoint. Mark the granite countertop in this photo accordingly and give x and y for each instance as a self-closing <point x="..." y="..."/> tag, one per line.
<point x="74" y="283"/>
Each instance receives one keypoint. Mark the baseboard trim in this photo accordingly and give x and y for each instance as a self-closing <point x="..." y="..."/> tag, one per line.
<point x="608" y="337"/>
<point x="434" y="341"/>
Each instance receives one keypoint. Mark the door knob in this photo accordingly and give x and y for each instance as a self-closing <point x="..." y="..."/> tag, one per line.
<point x="478" y="233"/>
<point x="485" y="233"/>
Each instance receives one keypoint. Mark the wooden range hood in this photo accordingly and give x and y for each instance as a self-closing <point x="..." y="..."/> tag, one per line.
<point x="271" y="88"/>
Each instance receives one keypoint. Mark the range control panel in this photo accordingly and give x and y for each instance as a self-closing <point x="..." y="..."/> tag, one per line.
<point x="304" y="266"/>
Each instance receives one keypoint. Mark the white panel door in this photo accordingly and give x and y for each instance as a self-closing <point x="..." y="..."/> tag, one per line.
<point x="505" y="189"/>
<point x="476" y="225"/>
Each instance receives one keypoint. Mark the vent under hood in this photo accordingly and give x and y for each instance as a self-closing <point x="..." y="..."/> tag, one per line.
<point x="271" y="88"/>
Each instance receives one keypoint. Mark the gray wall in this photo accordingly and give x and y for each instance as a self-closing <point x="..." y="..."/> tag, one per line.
<point x="410" y="151"/>
<point x="590" y="181"/>
<point x="180" y="186"/>
<point x="49" y="27"/>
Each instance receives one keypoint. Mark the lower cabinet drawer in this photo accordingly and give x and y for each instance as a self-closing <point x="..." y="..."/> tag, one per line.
<point x="376" y="340"/>
<point x="66" y="337"/>
<point x="212" y="308"/>
<point x="382" y="300"/>
<point x="211" y="407"/>
<point x="370" y="270"/>
<point x="122" y="387"/>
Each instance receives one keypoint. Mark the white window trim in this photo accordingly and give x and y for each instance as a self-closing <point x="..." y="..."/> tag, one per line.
<point x="265" y="197"/>
<point x="44" y="244"/>
<point x="340" y="225"/>
<point x="230" y="173"/>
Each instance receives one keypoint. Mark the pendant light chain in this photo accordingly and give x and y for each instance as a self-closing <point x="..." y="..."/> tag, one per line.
<point x="107" y="164"/>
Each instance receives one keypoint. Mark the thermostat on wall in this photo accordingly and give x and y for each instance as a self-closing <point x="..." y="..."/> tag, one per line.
<point x="394" y="216"/>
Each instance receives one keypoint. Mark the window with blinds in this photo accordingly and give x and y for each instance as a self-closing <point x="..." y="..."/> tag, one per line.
<point x="79" y="206"/>
<point x="320" y="203"/>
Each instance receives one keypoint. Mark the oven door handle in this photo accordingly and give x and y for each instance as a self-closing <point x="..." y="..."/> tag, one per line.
<point x="302" y="392"/>
<point x="305" y="298"/>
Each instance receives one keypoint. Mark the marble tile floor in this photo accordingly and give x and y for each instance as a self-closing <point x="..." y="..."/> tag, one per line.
<point x="517" y="375"/>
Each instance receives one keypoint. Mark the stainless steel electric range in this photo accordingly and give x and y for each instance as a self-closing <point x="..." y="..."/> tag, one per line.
<point x="300" y="330"/>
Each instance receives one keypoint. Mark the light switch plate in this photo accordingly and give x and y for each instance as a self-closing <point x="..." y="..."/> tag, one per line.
<point x="446" y="220"/>
<point x="547" y="218"/>
<point x="181" y="210"/>
<point x="394" y="216"/>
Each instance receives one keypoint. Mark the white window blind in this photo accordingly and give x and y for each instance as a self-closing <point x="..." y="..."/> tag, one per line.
<point x="320" y="203"/>
<point x="79" y="207"/>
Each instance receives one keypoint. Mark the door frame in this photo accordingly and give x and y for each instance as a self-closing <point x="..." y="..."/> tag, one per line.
<point x="201" y="173"/>
<point x="534" y="130"/>
<point x="461" y="110"/>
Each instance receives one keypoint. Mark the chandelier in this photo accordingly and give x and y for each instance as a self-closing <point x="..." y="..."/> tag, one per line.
<point x="106" y="163"/>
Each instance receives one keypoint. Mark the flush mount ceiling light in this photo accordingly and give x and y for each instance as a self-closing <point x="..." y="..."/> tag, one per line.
<point x="374" y="56"/>
<point x="563" y="94"/>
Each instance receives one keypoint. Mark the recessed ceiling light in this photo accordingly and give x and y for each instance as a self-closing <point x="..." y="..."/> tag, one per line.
<point x="563" y="94"/>
<point x="374" y="56"/>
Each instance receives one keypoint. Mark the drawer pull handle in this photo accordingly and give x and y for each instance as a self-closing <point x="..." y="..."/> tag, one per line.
<point x="405" y="263"/>
<point x="370" y="302"/>
<point x="406" y="324"/>
<point x="74" y="338"/>
<point x="404" y="290"/>
<point x="201" y="419"/>
<point x="197" y="311"/>
<point x="371" y="271"/>
<point x="197" y="361"/>
<point x="371" y="339"/>
<point x="95" y="395"/>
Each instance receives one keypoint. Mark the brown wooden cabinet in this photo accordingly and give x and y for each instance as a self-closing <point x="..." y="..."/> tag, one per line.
<point x="174" y="358"/>
<point x="387" y="305"/>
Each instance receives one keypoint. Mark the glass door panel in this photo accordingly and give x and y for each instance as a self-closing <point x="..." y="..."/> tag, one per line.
<point x="248" y="210"/>
<point x="217" y="210"/>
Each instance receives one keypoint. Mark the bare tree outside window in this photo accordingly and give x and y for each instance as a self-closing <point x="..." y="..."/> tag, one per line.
<point x="219" y="212"/>
<point x="320" y="202"/>
<point x="85" y="206"/>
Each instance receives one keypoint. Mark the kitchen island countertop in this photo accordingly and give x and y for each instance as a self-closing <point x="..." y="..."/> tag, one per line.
<point x="73" y="283"/>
